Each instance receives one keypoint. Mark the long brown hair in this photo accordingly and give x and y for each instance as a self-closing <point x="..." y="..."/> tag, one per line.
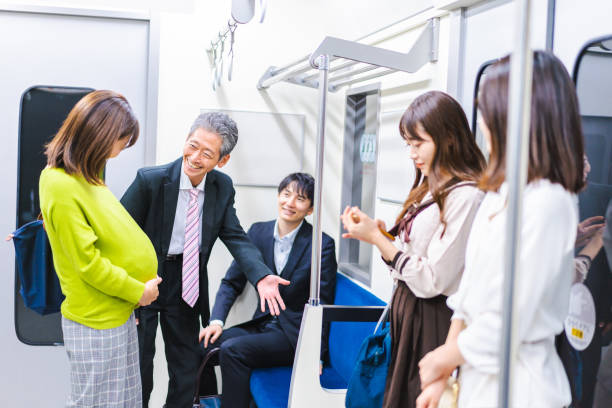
<point x="86" y="139"/>
<point x="456" y="155"/>
<point x="556" y="146"/>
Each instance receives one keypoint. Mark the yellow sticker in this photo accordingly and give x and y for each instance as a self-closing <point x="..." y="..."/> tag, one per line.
<point x="577" y="333"/>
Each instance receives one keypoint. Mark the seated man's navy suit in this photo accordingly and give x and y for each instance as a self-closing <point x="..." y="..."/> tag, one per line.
<point x="267" y="341"/>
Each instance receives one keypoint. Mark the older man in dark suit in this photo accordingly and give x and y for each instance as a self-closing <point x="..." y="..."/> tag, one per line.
<point x="183" y="207"/>
<point x="268" y="340"/>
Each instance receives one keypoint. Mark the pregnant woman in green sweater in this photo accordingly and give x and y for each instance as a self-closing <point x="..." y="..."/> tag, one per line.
<point x="105" y="263"/>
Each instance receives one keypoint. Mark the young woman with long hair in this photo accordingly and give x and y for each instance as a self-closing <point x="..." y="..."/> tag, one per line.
<point x="432" y="228"/>
<point x="545" y="268"/>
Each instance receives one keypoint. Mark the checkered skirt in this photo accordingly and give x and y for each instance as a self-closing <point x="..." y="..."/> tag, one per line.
<point x="104" y="367"/>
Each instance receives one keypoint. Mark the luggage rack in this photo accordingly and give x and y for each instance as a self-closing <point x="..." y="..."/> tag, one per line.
<point x="362" y="59"/>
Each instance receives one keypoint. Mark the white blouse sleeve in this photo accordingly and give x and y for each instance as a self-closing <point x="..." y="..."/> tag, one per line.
<point x="440" y="270"/>
<point x="543" y="280"/>
<point x="454" y="301"/>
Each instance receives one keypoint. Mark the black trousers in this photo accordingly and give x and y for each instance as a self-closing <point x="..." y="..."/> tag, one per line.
<point x="180" y="327"/>
<point x="255" y="344"/>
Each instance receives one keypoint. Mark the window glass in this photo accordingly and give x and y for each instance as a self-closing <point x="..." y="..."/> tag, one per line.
<point x="43" y="109"/>
<point x="359" y="176"/>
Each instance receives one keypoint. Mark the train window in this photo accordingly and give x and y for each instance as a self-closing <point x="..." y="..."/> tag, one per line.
<point x="359" y="173"/>
<point x="43" y="109"/>
<point x="589" y="364"/>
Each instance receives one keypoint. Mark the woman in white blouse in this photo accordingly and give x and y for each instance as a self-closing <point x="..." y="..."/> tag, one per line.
<point x="432" y="228"/>
<point x="545" y="269"/>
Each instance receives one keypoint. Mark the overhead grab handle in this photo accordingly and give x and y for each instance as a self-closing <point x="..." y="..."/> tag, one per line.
<point x="242" y="12"/>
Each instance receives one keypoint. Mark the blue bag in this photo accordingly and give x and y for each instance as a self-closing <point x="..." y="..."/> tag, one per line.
<point x="210" y="402"/>
<point x="40" y="287"/>
<point x="366" y="387"/>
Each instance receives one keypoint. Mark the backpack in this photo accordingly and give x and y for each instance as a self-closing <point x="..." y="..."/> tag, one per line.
<point x="40" y="287"/>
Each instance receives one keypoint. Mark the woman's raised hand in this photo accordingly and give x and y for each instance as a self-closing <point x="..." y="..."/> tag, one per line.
<point x="359" y="226"/>
<point x="587" y="228"/>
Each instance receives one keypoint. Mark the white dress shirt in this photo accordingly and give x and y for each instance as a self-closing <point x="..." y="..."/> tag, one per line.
<point x="282" y="246"/>
<point x="431" y="263"/>
<point x="545" y="272"/>
<point x="177" y="240"/>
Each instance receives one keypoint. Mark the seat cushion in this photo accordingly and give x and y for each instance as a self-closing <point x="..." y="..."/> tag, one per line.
<point x="270" y="386"/>
<point x="330" y="379"/>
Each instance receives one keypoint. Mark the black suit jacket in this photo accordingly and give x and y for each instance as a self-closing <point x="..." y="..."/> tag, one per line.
<point x="297" y="270"/>
<point x="151" y="200"/>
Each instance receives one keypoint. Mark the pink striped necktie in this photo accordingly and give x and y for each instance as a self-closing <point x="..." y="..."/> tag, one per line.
<point x="191" y="251"/>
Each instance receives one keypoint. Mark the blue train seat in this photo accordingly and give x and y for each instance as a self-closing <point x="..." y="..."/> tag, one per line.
<point x="270" y="386"/>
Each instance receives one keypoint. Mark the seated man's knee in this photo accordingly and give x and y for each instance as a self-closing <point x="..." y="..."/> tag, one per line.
<point x="229" y="349"/>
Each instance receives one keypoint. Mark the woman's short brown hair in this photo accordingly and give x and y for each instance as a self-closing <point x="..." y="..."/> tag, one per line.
<point x="556" y="145"/>
<point x="85" y="141"/>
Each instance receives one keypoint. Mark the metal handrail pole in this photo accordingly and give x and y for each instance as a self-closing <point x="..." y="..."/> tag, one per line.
<point x="353" y="72"/>
<point x="315" y="264"/>
<point x="337" y="85"/>
<point x="517" y="142"/>
<point x="291" y="65"/>
<point x="333" y="69"/>
<point x="274" y="78"/>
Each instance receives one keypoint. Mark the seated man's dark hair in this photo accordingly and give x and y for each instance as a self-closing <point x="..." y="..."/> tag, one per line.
<point x="304" y="183"/>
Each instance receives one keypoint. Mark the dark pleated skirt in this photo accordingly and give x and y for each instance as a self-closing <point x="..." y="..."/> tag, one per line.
<point x="417" y="326"/>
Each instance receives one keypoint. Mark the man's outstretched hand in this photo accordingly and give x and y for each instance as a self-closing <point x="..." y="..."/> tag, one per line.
<point x="268" y="293"/>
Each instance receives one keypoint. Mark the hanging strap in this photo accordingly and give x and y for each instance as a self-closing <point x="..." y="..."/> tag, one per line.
<point x="384" y="314"/>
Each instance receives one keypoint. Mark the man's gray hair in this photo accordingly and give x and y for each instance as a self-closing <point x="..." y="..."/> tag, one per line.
<point x="222" y="125"/>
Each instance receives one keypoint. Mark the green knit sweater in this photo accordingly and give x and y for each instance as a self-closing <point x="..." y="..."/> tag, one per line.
<point x="101" y="256"/>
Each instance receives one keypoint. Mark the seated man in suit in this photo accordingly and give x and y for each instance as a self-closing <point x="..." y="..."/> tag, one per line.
<point x="267" y="340"/>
